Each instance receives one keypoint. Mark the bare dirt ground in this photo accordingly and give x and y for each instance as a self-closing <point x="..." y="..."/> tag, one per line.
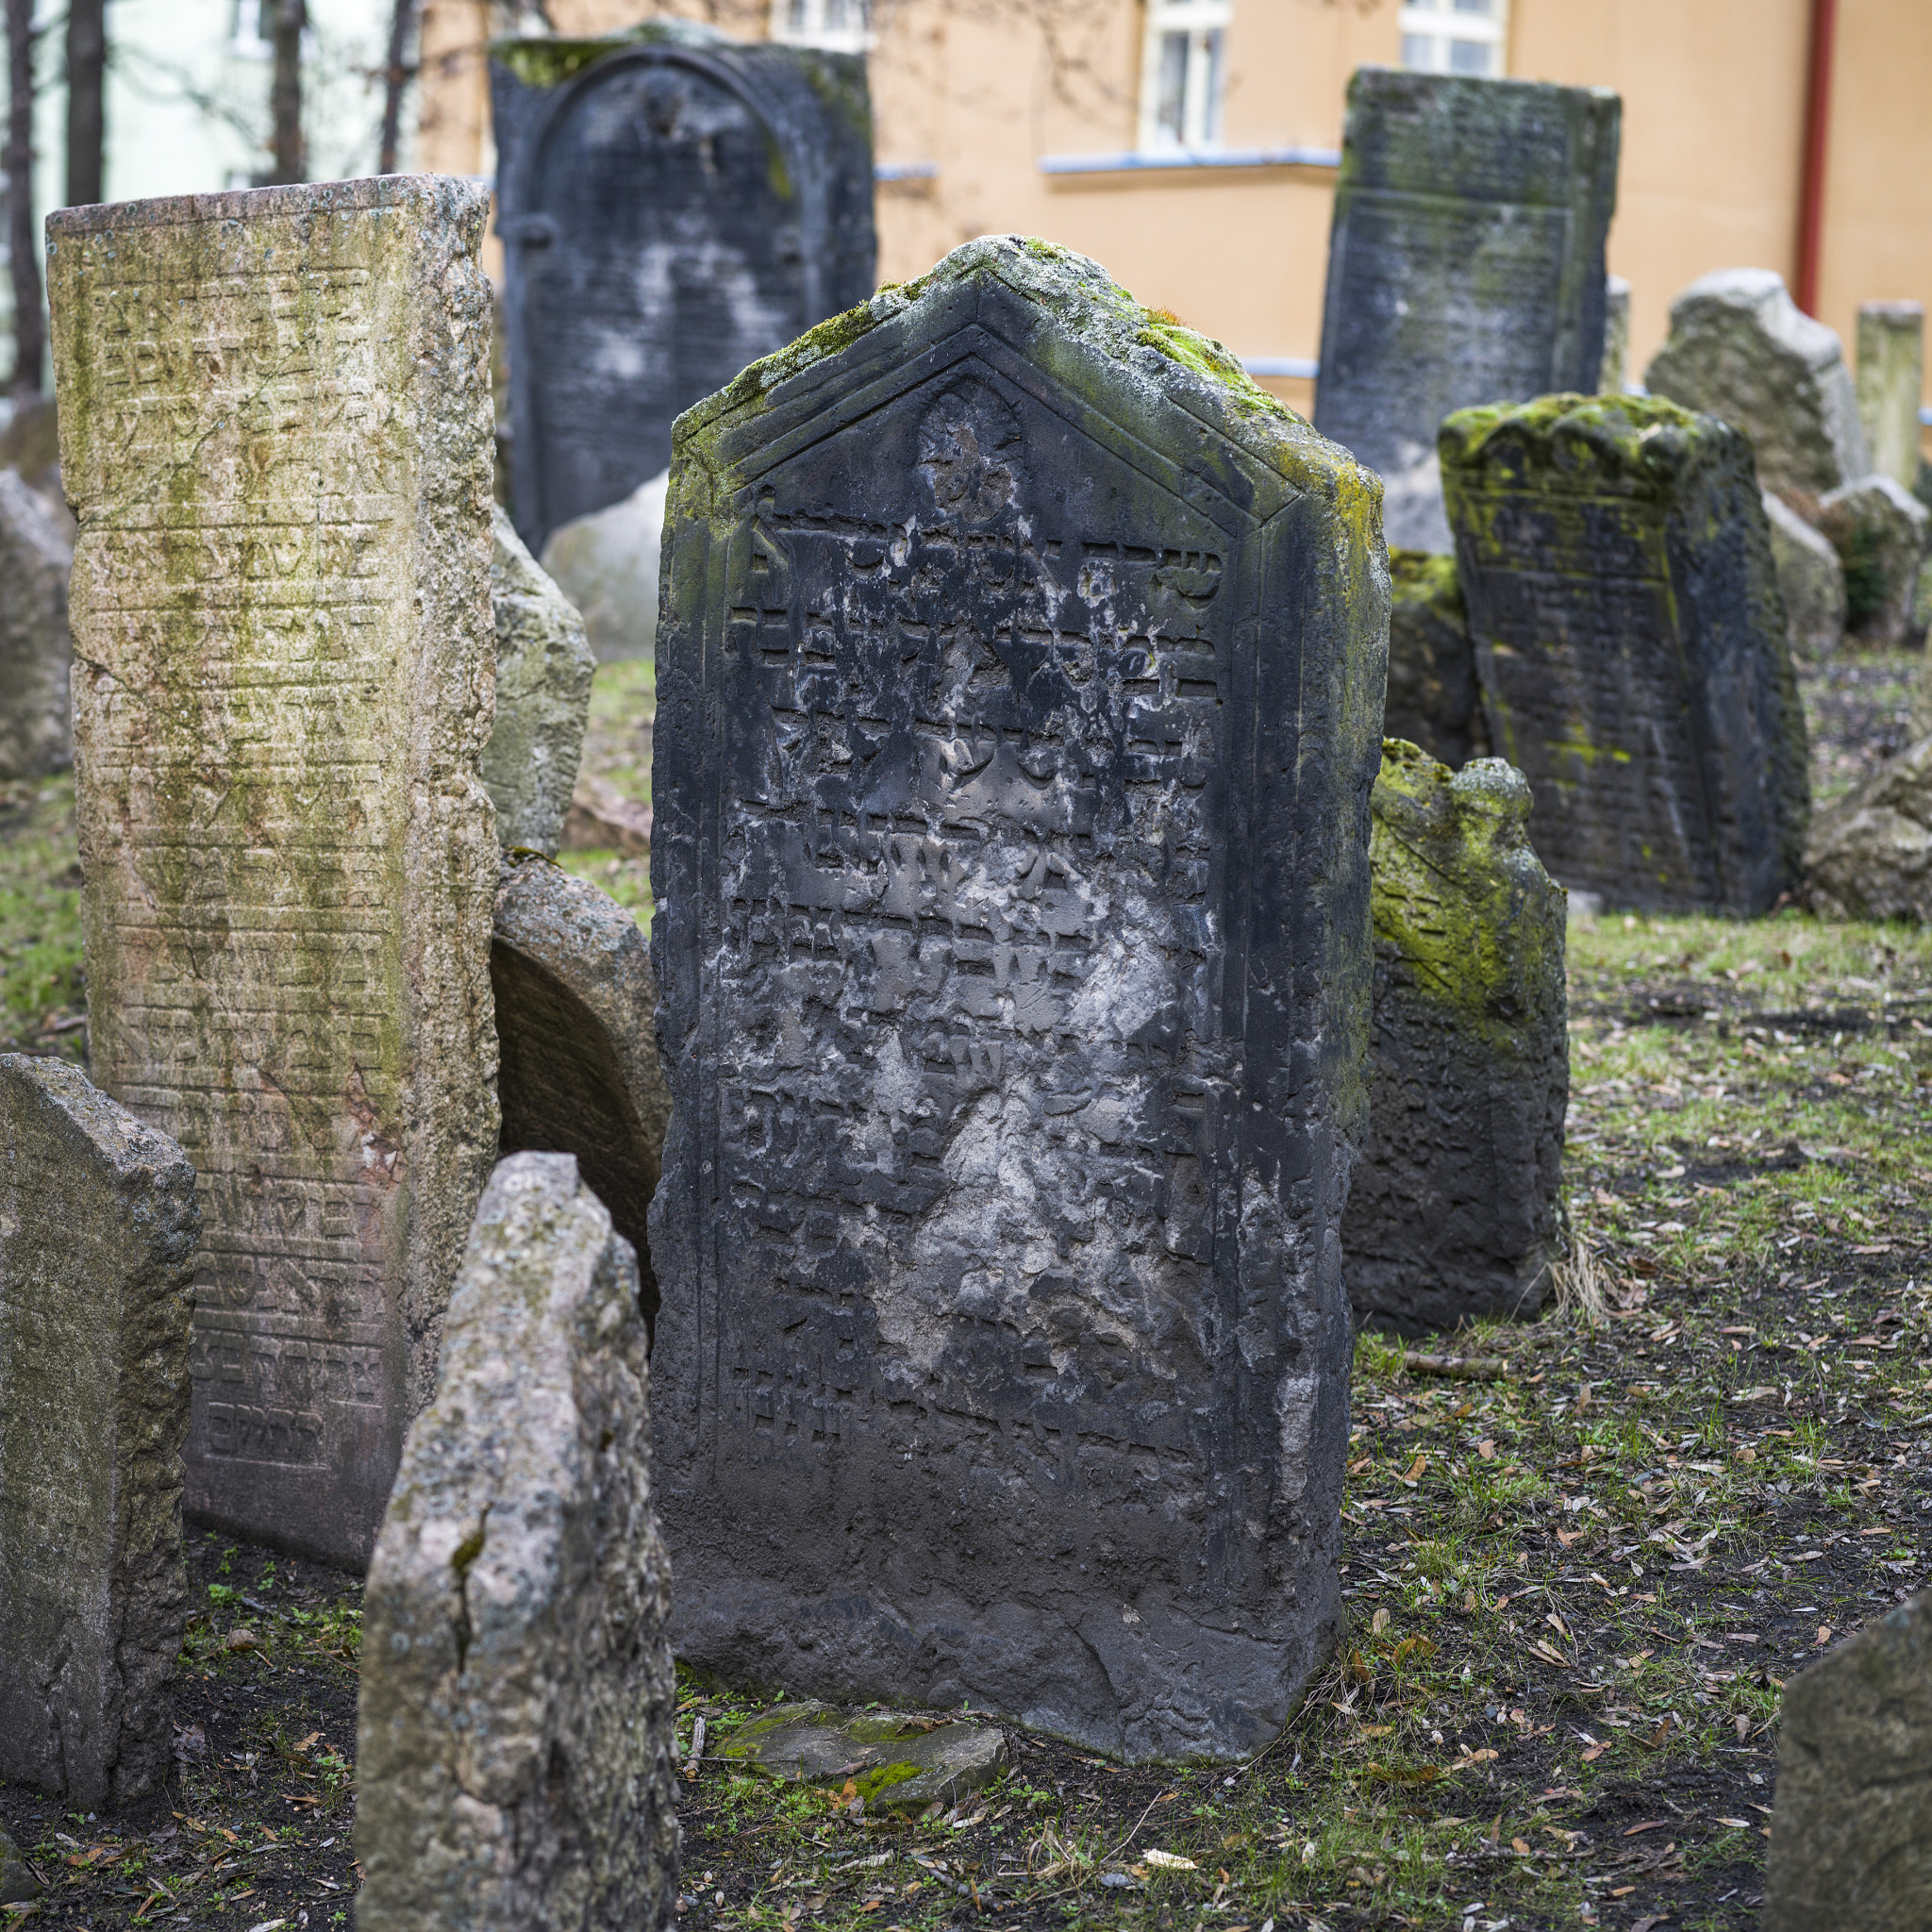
<point x="1577" y="1577"/>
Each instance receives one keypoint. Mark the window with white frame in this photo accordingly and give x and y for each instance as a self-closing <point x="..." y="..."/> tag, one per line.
<point x="254" y="20"/>
<point x="1182" y="70"/>
<point x="841" y="26"/>
<point x="1456" y="36"/>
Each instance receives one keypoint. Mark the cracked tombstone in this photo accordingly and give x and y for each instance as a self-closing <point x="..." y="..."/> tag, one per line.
<point x="1455" y="1210"/>
<point x="1465" y="266"/>
<point x="673" y="205"/>
<point x="35" y="655"/>
<point x="98" y="1227"/>
<point x="1617" y="566"/>
<point x="1434" y="700"/>
<point x="514" y="1736"/>
<point x="1013" y="716"/>
<point x="282" y="592"/>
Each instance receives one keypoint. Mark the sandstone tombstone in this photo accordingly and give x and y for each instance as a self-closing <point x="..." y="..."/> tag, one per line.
<point x="1890" y="385"/>
<point x="1810" y="581"/>
<point x="544" y="667"/>
<point x="1851" y="1837"/>
<point x="282" y="592"/>
<point x="35" y="652"/>
<point x="1466" y="266"/>
<point x="1615" y="373"/>
<point x="673" y="205"/>
<point x="606" y="564"/>
<point x="1740" y="348"/>
<point x="1631" y="643"/>
<point x="1878" y="529"/>
<point x="514" y="1742"/>
<point x="1019" y="683"/>
<point x="578" y="1033"/>
<point x="1455" y="1210"/>
<point x="1870" y="857"/>
<point x="1434" y="699"/>
<point x="98" y="1226"/>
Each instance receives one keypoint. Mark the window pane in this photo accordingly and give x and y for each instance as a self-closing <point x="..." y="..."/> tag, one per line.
<point x="1474" y="7"/>
<point x="1171" y="100"/>
<point x="1419" y="50"/>
<point x="797" y="17"/>
<point x="1468" y="56"/>
<point x="1210" y="82"/>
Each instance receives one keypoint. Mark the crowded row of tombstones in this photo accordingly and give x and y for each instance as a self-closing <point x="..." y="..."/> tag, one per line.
<point x="1065" y="1016"/>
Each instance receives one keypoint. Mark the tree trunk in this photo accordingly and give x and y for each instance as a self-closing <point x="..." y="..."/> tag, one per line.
<point x="284" y="101"/>
<point x="87" y="74"/>
<point x="23" y="243"/>
<point x="395" y="78"/>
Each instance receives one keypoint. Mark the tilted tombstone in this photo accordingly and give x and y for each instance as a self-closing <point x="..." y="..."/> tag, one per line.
<point x="1434" y="700"/>
<point x="1465" y="266"/>
<point x="606" y="564"/>
<point x="34" y="650"/>
<point x="1878" y="529"/>
<point x="1811" y="580"/>
<point x="1890" y="385"/>
<point x="1018" y="683"/>
<point x="98" y="1225"/>
<point x="282" y="594"/>
<point x="514" y="1739"/>
<point x="673" y="205"/>
<point x="1455" y="1210"/>
<point x="1617" y="566"/>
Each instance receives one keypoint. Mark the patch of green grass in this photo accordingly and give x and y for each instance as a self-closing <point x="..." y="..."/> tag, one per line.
<point x="42" y="992"/>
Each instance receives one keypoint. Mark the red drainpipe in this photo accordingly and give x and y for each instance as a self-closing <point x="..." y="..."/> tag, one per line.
<point x="1817" y="147"/>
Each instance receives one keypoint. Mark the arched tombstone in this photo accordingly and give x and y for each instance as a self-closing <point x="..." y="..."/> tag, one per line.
<point x="673" y="205"/>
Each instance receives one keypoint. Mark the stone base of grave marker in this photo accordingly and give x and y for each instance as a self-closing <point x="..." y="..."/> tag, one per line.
<point x="98" y="1225"/>
<point x="1434" y="699"/>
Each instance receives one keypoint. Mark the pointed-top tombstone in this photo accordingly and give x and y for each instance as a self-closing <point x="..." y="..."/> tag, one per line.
<point x="1019" y="688"/>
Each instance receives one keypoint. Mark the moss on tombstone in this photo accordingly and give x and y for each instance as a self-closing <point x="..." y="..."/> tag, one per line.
<point x="551" y="62"/>
<point x="1569" y="433"/>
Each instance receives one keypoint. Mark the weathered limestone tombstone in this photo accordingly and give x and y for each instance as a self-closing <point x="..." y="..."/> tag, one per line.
<point x="1890" y="384"/>
<point x="1740" y="348"/>
<point x="1434" y="699"/>
<point x="282" y="592"/>
<point x="1455" y="1211"/>
<point x="1019" y="689"/>
<point x="673" y="205"/>
<point x="578" y="1035"/>
<point x="513" y="1763"/>
<point x="1870" y="857"/>
<point x="1615" y="373"/>
<point x="1880" y="531"/>
<point x="606" y="564"/>
<point x="35" y="651"/>
<point x="1466" y="265"/>
<point x="98" y="1226"/>
<point x="1615" y="560"/>
<point x="1810" y="581"/>
<point x="544" y="667"/>
<point x="894" y="1760"/>
<point x="1851" y="1837"/>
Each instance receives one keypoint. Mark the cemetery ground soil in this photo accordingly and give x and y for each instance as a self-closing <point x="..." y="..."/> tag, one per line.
<point x="1578" y="1570"/>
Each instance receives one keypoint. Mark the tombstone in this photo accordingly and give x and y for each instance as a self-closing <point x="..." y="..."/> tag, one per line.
<point x="606" y="564"/>
<point x="1890" y="385"/>
<point x="891" y="1760"/>
<point x="1013" y="953"/>
<point x="1466" y="266"/>
<point x="1810" y="581"/>
<point x="1434" y="700"/>
<point x="513" y="1745"/>
<point x="1455" y="1211"/>
<point x="1617" y="566"/>
<point x="35" y="652"/>
<point x="282" y="592"/>
<point x="98" y="1225"/>
<point x="1740" y="348"/>
<point x="544" y="666"/>
<point x="1870" y="857"/>
<point x="1615" y="373"/>
<point x="1879" y="532"/>
<point x="673" y="205"/>
<point x="1851" y="1837"/>
<point x="578" y="1034"/>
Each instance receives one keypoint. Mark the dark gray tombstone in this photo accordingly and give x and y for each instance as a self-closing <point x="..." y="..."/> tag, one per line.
<point x="1011" y="942"/>
<point x="1465" y="266"/>
<point x="1617" y="567"/>
<point x="673" y="205"/>
<point x="1434" y="699"/>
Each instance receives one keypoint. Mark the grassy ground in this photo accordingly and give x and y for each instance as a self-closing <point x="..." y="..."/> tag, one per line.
<point x="616" y="748"/>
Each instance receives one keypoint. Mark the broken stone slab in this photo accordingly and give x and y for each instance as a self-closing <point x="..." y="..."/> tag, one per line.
<point x="1870" y="857"/>
<point x="1455" y="1211"/>
<point x="895" y="1761"/>
<point x="1890" y="383"/>
<point x="514" y="1739"/>
<point x="1741" y="349"/>
<point x="1878" y="529"/>
<point x="577" y="1038"/>
<point x="1617" y="568"/>
<point x="1434" y="699"/>
<point x="1810" y="581"/>
<point x="36" y="653"/>
<point x="543" y="668"/>
<point x="606" y="564"/>
<point x="1010" y="763"/>
<point x="18" y="1885"/>
<point x="98" y="1228"/>
<point x="1851" y="1831"/>
<point x="289" y="856"/>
